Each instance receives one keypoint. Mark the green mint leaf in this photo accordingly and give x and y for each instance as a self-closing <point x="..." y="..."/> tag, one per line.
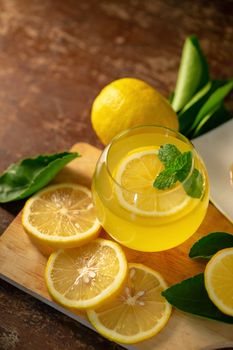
<point x="166" y="179"/>
<point x="191" y="296"/>
<point x="177" y="168"/>
<point x="168" y="154"/>
<point x="208" y="245"/>
<point x="28" y="176"/>
<point x="183" y="165"/>
<point x="193" y="73"/>
<point x="194" y="185"/>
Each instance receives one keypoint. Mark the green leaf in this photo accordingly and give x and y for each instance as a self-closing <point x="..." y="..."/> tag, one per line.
<point x="166" y="179"/>
<point x="184" y="161"/>
<point x="207" y="246"/>
<point x="188" y="114"/>
<point x="28" y="176"/>
<point x="168" y="153"/>
<point x="190" y="296"/>
<point x="212" y="103"/>
<point x="177" y="168"/>
<point x="170" y="97"/>
<point x="204" y="120"/>
<point x="193" y="73"/>
<point x="215" y="118"/>
<point x="194" y="185"/>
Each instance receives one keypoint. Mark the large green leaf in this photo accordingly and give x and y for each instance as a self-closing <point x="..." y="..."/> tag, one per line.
<point x="211" y="244"/>
<point x="191" y="296"/>
<point x="193" y="73"/>
<point x="212" y="103"/>
<point x="216" y="117"/>
<point x="204" y="120"/>
<point x="28" y="176"/>
<point x="170" y="97"/>
<point x="188" y="114"/>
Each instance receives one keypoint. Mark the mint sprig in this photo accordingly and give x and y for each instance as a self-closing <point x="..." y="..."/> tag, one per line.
<point x="168" y="153"/>
<point x="166" y="179"/>
<point x="177" y="167"/>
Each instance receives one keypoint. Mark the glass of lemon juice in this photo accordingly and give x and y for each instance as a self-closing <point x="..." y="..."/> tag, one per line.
<point x="138" y="211"/>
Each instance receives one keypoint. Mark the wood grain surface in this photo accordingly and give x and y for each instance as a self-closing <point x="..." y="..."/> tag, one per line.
<point x="55" y="57"/>
<point x="22" y="263"/>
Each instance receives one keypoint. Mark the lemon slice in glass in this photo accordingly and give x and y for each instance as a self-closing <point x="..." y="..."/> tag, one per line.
<point x="138" y="312"/>
<point x="135" y="176"/>
<point x="219" y="280"/>
<point x="86" y="276"/>
<point x="61" y="216"/>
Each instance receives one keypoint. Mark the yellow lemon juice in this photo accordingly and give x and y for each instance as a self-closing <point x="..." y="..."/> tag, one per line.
<point x="130" y="209"/>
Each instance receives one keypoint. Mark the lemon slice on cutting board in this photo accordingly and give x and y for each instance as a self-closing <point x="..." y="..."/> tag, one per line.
<point x="219" y="280"/>
<point x="138" y="312"/>
<point x="136" y="174"/>
<point x="61" y="216"/>
<point x="86" y="276"/>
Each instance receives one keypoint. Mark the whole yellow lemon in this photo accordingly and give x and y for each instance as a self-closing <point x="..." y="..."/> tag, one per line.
<point x="128" y="102"/>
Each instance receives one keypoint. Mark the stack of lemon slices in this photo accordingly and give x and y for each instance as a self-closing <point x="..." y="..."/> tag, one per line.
<point x="122" y="301"/>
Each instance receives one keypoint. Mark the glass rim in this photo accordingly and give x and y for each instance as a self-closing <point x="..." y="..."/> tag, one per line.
<point x="127" y="131"/>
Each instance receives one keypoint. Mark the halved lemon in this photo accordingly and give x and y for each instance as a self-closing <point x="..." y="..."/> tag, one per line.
<point x="138" y="312"/>
<point x="86" y="276"/>
<point x="136" y="174"/>
<point x="61" y="216"/>
<point x="219" y="280"/>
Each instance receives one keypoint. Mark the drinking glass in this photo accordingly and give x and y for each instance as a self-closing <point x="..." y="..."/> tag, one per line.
<point x="130" y="209"/>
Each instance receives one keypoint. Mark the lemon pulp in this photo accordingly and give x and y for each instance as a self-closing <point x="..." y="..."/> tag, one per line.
<point x="136" y="174"/>
<point x="138" y="312"/>
<point x="86" y="276"/>
<point x="61" y="216"/>
<point x="219" y="280"/>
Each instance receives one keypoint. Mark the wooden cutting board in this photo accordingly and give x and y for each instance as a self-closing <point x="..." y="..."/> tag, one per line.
<point x="22" y="264"/>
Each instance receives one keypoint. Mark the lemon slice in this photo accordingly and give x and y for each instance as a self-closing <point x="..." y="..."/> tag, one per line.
<point x="219" y="280"/>
<point x="136" y="174"/>
<point x="138" y="312"/>
<point x="86" y="276"/>
<point x="61" y="216"/>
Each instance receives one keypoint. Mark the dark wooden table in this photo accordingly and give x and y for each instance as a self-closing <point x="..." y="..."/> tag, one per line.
<point x="55" y="56"/>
